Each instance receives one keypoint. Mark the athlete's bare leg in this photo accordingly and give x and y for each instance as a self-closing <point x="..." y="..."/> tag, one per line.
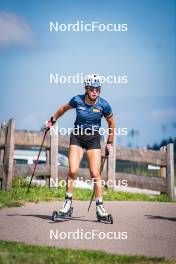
<point x="94" y="158"/>
<point x="75" y="156"/>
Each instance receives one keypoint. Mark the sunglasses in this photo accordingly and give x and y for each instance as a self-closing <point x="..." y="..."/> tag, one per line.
<point x="92" y="89"/>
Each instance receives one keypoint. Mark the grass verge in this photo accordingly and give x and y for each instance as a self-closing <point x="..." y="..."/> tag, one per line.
<point x="17" y="196"/>
<point x="19" y="253"/>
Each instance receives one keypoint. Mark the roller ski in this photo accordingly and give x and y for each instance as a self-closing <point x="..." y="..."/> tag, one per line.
<point x="65" y="212"/>
<point x="102" y="214"/>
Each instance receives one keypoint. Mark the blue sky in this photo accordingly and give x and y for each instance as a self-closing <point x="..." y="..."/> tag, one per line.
<point x="146" y="53"/>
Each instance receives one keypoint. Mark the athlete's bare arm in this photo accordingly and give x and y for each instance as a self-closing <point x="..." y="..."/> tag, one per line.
<point x="111" y="124"/>
<point x="62" y="111"/>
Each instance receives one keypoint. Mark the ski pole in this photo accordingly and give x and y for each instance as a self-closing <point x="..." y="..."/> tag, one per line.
<point x="102" y="166"/>
<point x="37" y="159"/>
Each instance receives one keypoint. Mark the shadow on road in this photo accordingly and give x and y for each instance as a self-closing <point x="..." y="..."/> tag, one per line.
<point x="173" y="219"/>
<point x="48" y="217"/>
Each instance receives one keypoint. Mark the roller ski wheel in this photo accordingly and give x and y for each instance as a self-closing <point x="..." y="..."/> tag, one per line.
<point x="58" y="215"/>
<point x="110" y="219"/>
<point x="107" y="219"/>
<point x="70" y="212"/>
<point x="54" y="216"/>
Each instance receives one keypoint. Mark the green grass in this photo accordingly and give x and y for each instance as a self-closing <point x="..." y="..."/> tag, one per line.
<point x="19" y="253"/>
<point x="17" y="196"/>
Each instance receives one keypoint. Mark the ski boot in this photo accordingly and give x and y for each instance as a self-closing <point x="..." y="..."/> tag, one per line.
<point x="65" y="211"/>
<point x="102" y="214"/>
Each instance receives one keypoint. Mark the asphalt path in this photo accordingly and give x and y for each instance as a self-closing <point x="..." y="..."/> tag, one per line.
<point x="142" y="228"/>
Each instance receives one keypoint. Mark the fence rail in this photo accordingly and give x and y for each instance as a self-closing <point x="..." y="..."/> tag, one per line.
<point x="11" y="138"/>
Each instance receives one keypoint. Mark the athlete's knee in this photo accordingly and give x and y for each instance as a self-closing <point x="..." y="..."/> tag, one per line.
<point x="96" y="180"/>
<point x="95" y="175"/>
<point x="72" y="174"/>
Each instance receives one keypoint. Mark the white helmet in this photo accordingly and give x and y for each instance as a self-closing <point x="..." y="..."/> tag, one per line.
<point x="93" y="80"/>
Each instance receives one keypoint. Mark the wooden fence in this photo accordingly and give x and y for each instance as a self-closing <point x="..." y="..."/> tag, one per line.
<point x="11" y="138"/>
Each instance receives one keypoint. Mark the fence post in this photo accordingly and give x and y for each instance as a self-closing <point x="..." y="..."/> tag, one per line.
<point x="8" y="156"/>
<point x="163" y="168"/>
<point x="47" y="156"/>
<point x="112" y="166"/>
<point x="1" y="156"/>
<point x="170" y="170"/>
<point x="54" y="155"/>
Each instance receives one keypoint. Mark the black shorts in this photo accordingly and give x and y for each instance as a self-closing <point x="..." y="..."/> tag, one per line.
<point x="86" y="141"/>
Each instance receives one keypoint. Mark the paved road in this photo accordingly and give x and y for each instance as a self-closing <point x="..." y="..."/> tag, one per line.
<point x="150" y="227"/>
